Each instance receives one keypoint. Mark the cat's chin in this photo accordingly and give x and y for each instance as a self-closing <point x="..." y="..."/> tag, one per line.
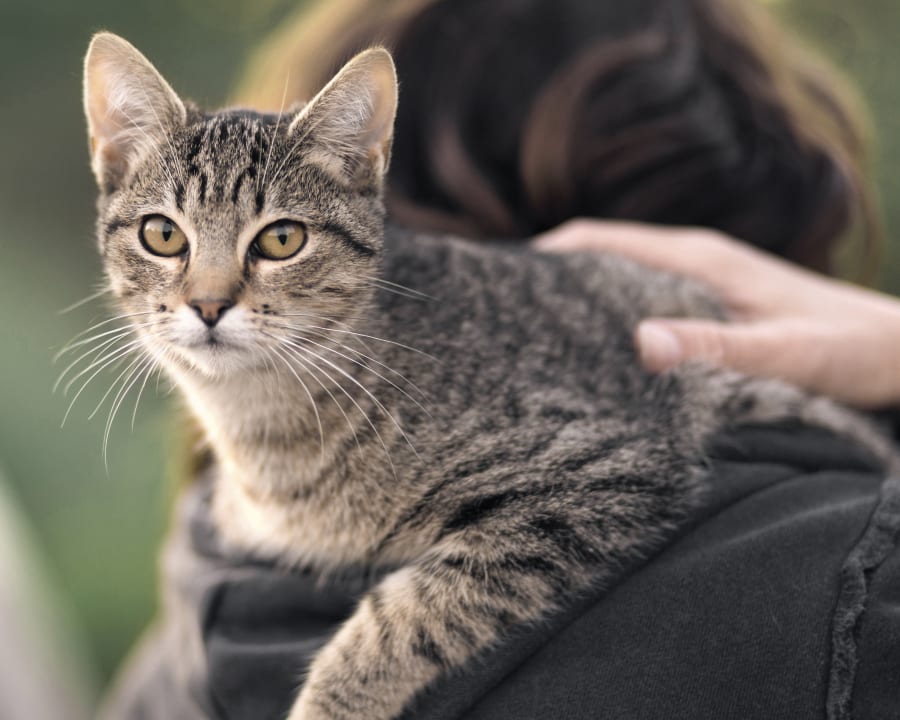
<point x="215" y="360"/>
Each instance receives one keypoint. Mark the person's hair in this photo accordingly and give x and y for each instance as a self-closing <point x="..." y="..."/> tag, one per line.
<point x="516" y="115"/>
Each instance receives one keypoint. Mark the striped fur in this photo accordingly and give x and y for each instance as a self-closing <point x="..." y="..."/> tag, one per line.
<point x="471" y="419"/>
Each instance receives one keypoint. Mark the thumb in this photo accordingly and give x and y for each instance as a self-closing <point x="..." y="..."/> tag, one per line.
<point x="751" y="349"/>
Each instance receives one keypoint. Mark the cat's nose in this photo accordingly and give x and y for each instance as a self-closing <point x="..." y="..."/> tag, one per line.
<point x="210" y="311"/>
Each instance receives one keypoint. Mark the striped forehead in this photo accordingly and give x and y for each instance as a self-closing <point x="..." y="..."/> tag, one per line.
<point x="223" y="157"/>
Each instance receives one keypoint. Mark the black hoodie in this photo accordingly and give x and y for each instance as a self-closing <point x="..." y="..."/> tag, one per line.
<point x="780" y="600"/>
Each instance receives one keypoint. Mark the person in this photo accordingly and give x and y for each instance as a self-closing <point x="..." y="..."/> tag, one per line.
<point x="517" y="117"/>
<point x="824" y="335"/>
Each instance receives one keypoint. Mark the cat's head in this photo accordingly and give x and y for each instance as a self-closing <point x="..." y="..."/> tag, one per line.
<point x="220" y="232"/>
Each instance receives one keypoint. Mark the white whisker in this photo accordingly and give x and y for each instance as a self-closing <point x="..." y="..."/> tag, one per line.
<point x="83" y="301"/>
<point x="124" y="330"/>
<point x="325" y="336"/>
<point x="118" y="352"/>
<point x="262" y="183"/>
<point x="69" y="344"/>
<point x="166" y="134"/>
<point x="358" y="407"/>
<point x="95" y="350"/>
<point x="117" y="403"/>
<point x="273" y="374"/>
<point x="373" y="337"/>
<point x="149" y="371"/>
<point x="330" y="394"/>
<point x="120" y="333"/>
<point x="410" y="290"/>
<point x="288" y="156"/>
<point x="130" y="367"/>
<point x="394" y="291"/>
<point x="362" y="387"/>
<point x="333" y="321"/>
<point x="400" y="290"/>
<point x="151" y="142"/>
<point x="366" y="367"/>
<point x="312" y="401"/>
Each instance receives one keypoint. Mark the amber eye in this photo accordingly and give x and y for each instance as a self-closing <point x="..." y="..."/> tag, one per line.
<point x="162" y="237"/>
<point x="280" y="240"/>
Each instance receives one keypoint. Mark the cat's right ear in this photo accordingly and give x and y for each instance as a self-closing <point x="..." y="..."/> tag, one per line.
<point x="351" y="120"/>
<point x="128" y="105"/>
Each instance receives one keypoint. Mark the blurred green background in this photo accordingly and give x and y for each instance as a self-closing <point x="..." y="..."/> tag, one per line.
<point x="100" y="530"/>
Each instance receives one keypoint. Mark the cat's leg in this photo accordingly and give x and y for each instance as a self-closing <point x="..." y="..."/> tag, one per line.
<point x="421" y="622"/>
<point x="504" y="559"/>
<point x="402" y="636"/>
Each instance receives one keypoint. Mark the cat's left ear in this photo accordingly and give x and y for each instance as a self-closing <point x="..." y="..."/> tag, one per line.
<point x="350" y="123"/>
<point x="128" y="105"/>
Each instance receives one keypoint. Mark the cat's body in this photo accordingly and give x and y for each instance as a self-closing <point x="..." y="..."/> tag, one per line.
<point x="497" y="374"/>
<point x="471" y="419"/>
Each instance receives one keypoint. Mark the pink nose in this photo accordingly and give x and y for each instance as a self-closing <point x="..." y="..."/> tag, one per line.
<point x="210" y="311"/>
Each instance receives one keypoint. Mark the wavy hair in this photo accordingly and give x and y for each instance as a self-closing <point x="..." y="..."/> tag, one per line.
<point x="517" y="115"/>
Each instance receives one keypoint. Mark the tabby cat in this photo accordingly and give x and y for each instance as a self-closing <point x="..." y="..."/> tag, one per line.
<point x="469" y="419"/>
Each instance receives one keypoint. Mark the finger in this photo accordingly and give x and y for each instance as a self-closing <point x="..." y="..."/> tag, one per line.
<point x="763" y="350"/>
<point x="696" y="253"/>
<point x="669" y="248"/>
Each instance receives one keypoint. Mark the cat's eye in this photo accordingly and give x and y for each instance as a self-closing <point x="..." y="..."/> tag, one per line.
<point x="162" y="237"/>
<point x="280" y="240"/>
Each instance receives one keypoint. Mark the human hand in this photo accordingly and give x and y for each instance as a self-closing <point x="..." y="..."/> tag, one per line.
<point x="825" y="335"/>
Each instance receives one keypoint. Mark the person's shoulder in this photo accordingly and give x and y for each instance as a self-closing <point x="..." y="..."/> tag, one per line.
<point x="778" y="595"/>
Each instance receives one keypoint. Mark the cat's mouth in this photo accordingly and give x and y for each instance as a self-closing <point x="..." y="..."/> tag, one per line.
<point x="214" y="342"/>
<point x="224" y="347"/>
<point x="213" y="355"/>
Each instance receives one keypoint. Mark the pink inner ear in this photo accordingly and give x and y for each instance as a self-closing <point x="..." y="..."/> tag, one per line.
<point x="126" y="102"/>
<point x="109" y="153"/>
<point x="356" y="109"/>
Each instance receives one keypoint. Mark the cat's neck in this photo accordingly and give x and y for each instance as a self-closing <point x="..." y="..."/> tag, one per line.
<point x="267" y="427"/>
<point x="283" y="488"/>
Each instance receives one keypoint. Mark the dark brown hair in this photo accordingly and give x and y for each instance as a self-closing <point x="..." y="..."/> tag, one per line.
<point x="517" y="115"/>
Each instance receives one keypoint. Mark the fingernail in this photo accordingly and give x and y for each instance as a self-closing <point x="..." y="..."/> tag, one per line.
<point x="659" y="348"/>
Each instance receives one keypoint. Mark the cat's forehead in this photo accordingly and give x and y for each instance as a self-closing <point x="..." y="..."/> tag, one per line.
<point x="223" y="138"/>
<point x="223" y="159"/>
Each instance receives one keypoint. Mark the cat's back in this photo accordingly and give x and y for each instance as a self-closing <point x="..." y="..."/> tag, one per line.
<point x="501" y="316"/>
<point x="533" y="387"/>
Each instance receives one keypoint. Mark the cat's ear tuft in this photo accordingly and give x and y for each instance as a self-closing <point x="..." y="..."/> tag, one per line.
<point x="128" y="105"/>
<point x="350" y="123"/>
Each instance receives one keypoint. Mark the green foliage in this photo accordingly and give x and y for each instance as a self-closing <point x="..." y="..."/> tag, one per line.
<point x="861" y="39"/>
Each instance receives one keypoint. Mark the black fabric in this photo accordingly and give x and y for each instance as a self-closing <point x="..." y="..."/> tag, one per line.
<point x="732" y="621"/>
<point x="867" y="586"/>
<point x="793" y="556"/>
<point x="257" y="639"/>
